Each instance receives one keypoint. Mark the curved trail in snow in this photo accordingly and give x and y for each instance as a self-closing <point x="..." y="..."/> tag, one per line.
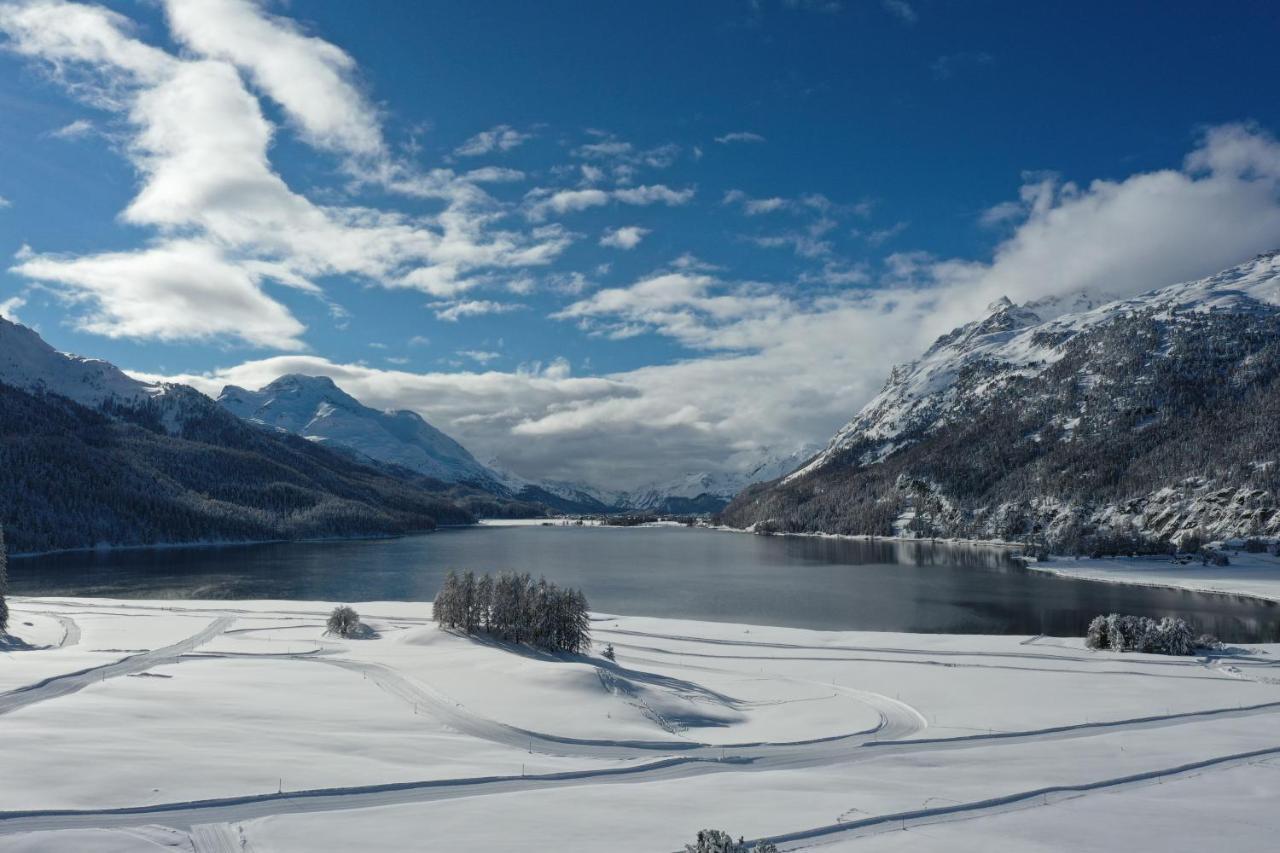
<point x="72" y="682"/>
<point x="1009" y="802"/>
<point x="187" y="814"/>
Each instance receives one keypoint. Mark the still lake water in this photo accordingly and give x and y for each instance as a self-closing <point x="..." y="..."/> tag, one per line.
<point x="667" y="571"/>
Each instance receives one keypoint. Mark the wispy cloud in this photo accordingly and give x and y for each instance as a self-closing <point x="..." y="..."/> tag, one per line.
<point x="947" y="66"/>
<point x="902" y="10"/>
<point x="739" y="136"/>
<point x="501" y="138"/>
<point x="452" y="312"/>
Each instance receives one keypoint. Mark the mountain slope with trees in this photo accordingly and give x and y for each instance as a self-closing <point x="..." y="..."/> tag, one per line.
<point x="126" y="463"/>
<point x="1140" y="423"/>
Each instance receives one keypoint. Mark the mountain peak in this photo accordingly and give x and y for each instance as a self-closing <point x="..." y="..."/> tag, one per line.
<point x="999" y="305"/>
<point x="315" y="408"/>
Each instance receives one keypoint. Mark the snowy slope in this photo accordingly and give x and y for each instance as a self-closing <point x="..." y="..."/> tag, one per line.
<point x="1132" y="424"/>
<point x="27" y="362"/>
<point x="1013" y="341"/>
<point x="317" y="409"/>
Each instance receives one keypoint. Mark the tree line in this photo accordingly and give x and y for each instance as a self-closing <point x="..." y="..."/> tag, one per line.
<point x="4" y="585"/>
<point x="515" y="608"/>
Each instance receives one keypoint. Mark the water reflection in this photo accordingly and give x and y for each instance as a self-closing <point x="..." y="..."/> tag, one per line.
<point x="820" y="583"/>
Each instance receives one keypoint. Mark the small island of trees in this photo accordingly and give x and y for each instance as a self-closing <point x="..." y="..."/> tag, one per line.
<point x="516" y="609"/>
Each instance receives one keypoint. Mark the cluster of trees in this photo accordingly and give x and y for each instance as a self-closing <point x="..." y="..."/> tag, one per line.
<point x="515" y="608"/>
<point x="1154" y="401"/>
<point x="1169" y="636"/>
<point x="718" y="841"/>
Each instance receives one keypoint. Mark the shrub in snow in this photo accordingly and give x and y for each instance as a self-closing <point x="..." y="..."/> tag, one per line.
<point x="1254" y="546"/>
<point x="1213" y="557"/>
<point x="715" y="841"/>
<point x="609" y="652"/>
<point x="1096" y="638"/>
<point x="1208" y="642"/>
<point x="344" y="622"/>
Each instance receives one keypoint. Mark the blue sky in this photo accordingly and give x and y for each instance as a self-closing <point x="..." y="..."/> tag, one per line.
<point x="612" y="242"/>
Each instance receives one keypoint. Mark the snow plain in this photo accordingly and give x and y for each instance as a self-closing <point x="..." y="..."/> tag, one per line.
<point x="198" y="726"/>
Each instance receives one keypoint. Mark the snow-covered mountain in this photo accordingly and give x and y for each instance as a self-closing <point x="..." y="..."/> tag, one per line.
<point x="27" y="362"/>
<point x="90" y="456"/>
<point x="1142" y="413"/>
<point x="712" y="491"/>
<point x="317" y="409"/>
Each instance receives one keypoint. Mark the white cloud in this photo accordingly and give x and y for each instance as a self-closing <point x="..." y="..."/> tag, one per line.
<point x="564" y="201"/>
<point x="541" y="203"/>
<point x="626" y="237"/>
<point x="312" y="79"/>
<point x="452" y="312"/>
<point x="480" y="356"/>
<point x="77" y="129"/>
<point x="199" y="139"/>
<point x="501" y="138"/>
<point x="164" y="293"/>
<point x="9" y="308"/>
<point x="739" y="136"/>
<point x="654" y="194"/>
<point x="4" y="202"/>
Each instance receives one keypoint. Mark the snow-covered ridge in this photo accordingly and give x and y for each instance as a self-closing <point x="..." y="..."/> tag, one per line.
<point x="27" y="362"/>
<point x="1013" y="341"/>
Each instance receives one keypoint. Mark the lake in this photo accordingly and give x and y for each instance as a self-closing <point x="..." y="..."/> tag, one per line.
<point x="662" y="571"/>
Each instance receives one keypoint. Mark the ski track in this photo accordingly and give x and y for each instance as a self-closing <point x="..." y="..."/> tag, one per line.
<point x="1007" y="802"/>
<point x="65" y="684"/>
<point x="697" y="760"/>
<point x="211" y="822"/>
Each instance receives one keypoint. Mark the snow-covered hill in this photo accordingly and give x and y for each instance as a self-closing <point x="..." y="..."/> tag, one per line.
<point x="1102" y="419"/>
<point x="317" y="409"/>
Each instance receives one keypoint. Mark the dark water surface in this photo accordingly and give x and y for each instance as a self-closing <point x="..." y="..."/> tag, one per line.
<point x="672" y="572"/>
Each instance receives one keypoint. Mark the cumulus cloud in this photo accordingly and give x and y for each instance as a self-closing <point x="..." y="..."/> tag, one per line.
<point x="627" y="237"/>
<point x="501" y="138"/>
<point x="200" y="141"/>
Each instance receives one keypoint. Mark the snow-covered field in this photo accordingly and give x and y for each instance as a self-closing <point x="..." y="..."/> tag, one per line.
<point x="148" y="725"/>
<point x="1257" y="575"/>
